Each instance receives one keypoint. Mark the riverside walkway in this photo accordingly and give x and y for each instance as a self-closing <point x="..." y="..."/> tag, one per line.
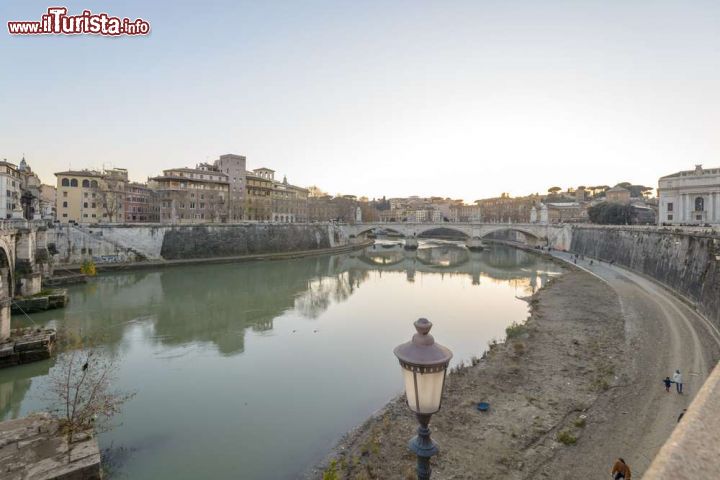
<point x="663" y="333"/>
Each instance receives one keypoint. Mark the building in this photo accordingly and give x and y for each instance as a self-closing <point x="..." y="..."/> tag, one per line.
<point x="10" y="190"/>
<point x="566" y="212"/>
<point x="234" y="166"/>
<point x="48" y="197"/>
<point x="690" y="197"/>
<point x="192" y="195"/>
<point x="258" y="195"/>
<point x="141" y="205"/>
<point x="90" y="196"/>
<point x="506" y="209"/>
<point x="321" y="208"/>
<point x="466" y="213"/>
<point x="78" y="197"/>
<point x="618" y="194"/>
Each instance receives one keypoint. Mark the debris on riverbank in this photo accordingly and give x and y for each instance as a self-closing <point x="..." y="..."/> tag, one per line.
<point x="26" y="346"/>
<point x="40" y="302"/>
<point x="541" y="384"/>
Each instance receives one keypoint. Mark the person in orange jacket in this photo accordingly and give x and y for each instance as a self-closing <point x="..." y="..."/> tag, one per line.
<point x="621" y="470"/>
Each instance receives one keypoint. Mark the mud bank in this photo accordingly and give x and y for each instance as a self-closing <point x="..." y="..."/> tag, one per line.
<point x="542" y="385"/>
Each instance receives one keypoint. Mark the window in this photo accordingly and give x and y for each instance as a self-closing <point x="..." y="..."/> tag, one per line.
<point x="699" y="205"/>
<point x="64" y="204"/>
<point x="65" y="182"/>
<point x="93" y="205"/>
<point x="65" y="194"/>
<point x="73" y="182"/>
<point x="670" y="207"/>
<point x="86" y="183"/>
<point x="85" y="205"/>
<point x="670" y="217"/>
<point x="65" y="215"/>
<point x="85" y="195"/>
<point x="94" y="184"/>
<point x="85" y="215"/>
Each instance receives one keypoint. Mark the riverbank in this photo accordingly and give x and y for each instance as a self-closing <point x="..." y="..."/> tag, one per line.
<point x="152" y="264"/>
<point x="542" y="385"/>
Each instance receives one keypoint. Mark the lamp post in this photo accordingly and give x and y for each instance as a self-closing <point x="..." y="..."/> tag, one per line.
<point x="424" y="364"/>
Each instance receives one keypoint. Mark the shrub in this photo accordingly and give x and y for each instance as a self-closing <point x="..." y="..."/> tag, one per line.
<point x="515" y="330"/>
<point x="566" y="438"/>
<point x="332" y="472"/>
<point x="88" y="268"/>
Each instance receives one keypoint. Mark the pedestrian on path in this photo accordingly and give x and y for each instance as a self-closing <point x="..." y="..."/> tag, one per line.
<point x="621" y="470"/>
<point x="667" y="383"/>
<point x="677" y="378"/>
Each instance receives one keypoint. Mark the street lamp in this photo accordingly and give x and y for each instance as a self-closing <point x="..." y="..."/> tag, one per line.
<point x="424" y="365"/>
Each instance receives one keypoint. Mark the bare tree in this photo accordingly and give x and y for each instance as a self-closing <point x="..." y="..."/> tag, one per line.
<point x="80" y="392"/>
<point x="111" y="198"/>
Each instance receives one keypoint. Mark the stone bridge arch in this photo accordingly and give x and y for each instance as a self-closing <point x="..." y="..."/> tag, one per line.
<point x="464" y="231"/>
<point x="532" y="235"/>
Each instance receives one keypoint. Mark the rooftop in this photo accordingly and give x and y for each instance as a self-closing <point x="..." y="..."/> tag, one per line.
<point x="80" y="173"/>
<point x="698" y="170"/>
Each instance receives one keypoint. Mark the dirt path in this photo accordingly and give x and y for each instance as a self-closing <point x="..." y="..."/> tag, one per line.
<point x="662" y="334"/>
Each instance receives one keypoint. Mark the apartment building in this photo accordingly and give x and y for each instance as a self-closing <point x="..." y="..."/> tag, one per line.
<point x="192" y="195"/>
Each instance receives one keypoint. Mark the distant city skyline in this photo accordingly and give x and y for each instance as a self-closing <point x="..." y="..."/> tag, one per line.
<point x="463" y="99"/>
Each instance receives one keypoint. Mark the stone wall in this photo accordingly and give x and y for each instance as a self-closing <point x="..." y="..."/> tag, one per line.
<point x="228" y="241"/>
<point x="687" y="263"/>
<point x="72" y="245"/>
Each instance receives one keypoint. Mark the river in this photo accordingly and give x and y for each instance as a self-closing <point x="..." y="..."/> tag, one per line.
<point x="254" y="370"/>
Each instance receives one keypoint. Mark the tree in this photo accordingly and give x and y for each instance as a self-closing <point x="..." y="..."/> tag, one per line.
<point x="554" y="190"/>
<point x="112" y="196"/>
<point x="80" y="391"/>
<point x="610" y="213"/>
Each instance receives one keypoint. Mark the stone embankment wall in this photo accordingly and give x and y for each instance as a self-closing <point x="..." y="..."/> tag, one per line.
<point x="71" y="245"/>
<point x="688" y="263"/>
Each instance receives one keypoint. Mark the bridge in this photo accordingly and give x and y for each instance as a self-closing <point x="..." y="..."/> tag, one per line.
<point x="24" y="260"/>
<point x="555" y="235"/>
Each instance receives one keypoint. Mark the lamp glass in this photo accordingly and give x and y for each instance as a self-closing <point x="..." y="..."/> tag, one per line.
<point x="429" y="387"/>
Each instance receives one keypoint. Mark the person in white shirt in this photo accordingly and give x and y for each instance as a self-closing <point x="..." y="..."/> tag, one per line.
<point x="677" y="378"/>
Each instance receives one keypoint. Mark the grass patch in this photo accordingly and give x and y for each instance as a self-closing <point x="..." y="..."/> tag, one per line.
<point x="566" y="438"/>
<point x="515" y="330"/>
<point x="580" y="423"/>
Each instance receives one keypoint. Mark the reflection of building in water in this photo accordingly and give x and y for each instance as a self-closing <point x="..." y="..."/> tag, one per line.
<point x="443" y="256"/>
<point x="235" y="297"/>
<point x="14" y="389"/>
<point x="217" y="303"/>
<point x="499" y="263"/>
<point x="323" y="291"/>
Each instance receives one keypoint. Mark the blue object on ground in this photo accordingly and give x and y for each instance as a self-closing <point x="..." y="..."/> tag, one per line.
<point x="483" y="406"/>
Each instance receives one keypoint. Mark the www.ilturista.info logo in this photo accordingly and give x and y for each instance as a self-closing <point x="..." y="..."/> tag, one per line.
<point x="58" y="22"/>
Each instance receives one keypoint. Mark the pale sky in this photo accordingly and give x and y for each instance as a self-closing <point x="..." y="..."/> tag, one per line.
<point x="466" y="99"/>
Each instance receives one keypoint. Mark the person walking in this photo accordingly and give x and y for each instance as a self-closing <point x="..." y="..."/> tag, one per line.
<point x="621" y="470"/>
<point x="677" y="378"/>
<point x="667" y="383"/>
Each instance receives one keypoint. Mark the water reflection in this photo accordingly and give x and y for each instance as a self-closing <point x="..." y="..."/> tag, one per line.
<point x="239" y="338"/>
<point x="218" y="303"/>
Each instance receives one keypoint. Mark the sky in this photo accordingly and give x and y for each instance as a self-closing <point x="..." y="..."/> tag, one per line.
<point x="466" y="99"/>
